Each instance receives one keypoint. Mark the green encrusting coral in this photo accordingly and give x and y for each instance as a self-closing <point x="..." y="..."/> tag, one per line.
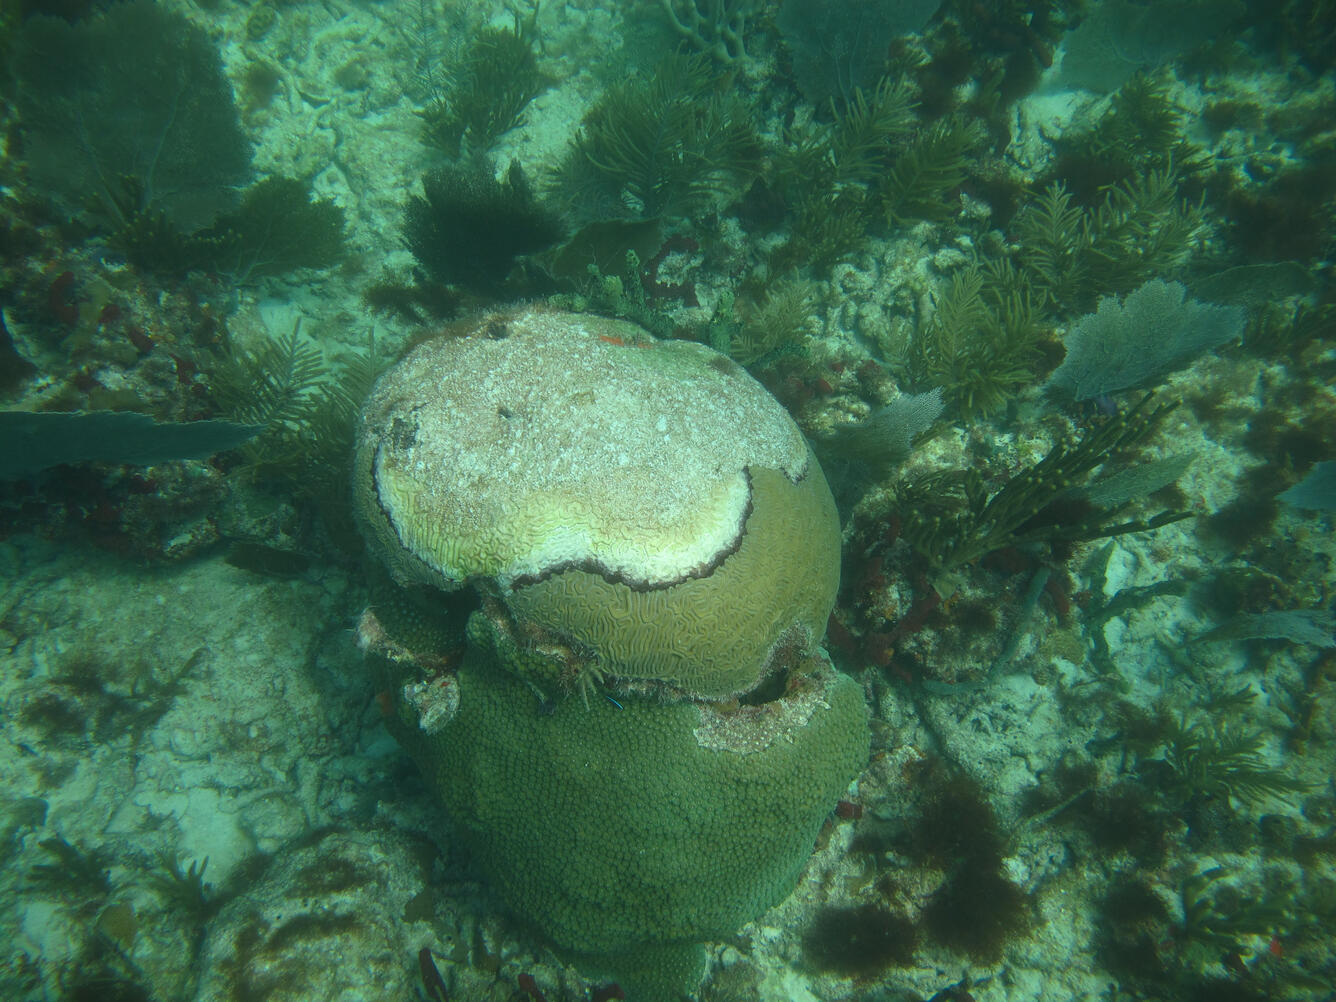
<point x="631" y="833"/>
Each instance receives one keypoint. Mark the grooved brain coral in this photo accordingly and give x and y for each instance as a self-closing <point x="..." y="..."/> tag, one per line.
<point x="644" y="500"/>
<point x="637" y="515"/>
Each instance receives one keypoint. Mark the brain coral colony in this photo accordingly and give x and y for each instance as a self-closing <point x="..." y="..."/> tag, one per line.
<point x="646" y="528"/>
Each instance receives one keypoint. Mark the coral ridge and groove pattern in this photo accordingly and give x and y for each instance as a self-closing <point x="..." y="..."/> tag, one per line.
<point x="644" y="499"/>
<point x="541" y="435"/>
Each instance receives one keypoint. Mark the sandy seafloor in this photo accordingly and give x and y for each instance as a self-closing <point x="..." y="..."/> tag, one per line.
<point x="233" y="722"/>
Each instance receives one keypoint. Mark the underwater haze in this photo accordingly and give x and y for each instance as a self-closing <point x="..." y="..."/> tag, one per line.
<point x="668" y="500"/>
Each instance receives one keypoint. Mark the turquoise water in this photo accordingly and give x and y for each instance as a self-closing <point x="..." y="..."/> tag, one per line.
<point x="1047" y="288"/>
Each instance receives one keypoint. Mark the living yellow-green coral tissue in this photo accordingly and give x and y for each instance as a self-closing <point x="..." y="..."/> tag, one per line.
<point x="643" y="736"/>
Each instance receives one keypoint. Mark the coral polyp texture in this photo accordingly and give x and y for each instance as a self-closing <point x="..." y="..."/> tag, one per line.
<point x="643" y="522"/>
<point x="645" y="499"/>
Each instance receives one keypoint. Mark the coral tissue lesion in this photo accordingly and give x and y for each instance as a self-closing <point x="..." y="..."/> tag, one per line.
<point x="434" y="695"/>
<point x="435" y="701"/>
<point x="745" y="727"/>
